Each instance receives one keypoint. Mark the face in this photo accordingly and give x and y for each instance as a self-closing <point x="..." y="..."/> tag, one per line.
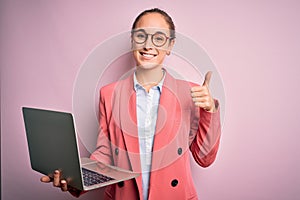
<point x="150" y="41"/>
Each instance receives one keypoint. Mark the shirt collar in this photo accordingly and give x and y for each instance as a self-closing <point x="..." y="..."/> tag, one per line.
<point x="159" y="85"/>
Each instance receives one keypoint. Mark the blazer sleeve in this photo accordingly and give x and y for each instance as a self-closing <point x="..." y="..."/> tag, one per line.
<point x="206" y="138"/>
<point x="103" y="147"/>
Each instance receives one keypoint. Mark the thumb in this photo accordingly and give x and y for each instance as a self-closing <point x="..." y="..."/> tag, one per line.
<point x="207" y="78"/>
<point x="45" y="179"/>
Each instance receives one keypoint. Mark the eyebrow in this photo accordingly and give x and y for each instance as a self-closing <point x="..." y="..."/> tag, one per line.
<point x="160" y="32"/>
<point x="135" y="30"/>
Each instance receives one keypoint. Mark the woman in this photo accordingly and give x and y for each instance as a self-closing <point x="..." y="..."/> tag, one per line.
<point x="149" y="120"/>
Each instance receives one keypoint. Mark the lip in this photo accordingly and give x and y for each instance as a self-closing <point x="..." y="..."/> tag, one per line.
<point x="147" y="55"/>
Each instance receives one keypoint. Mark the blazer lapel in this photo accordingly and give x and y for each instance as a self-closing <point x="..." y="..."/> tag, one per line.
<point x="167" y="121"/>
<point x="128" y="125"/>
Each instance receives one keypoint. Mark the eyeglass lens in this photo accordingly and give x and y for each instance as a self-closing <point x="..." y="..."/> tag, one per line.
<point x="158" y="39"/>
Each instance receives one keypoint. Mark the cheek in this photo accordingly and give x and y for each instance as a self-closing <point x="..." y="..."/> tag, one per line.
<point x="166" y="47"/>
<point x="135" y="46"/>
<point x="162" y="54"/>
<point x="135" y="54"/>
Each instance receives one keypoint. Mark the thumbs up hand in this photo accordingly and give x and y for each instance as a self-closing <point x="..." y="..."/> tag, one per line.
<point x="201" y="95"/>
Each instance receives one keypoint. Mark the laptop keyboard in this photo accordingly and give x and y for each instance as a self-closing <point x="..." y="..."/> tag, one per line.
<point x="92" y="178"/>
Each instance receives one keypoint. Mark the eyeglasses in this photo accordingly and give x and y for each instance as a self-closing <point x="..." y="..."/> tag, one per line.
<point x="159" y="39"/>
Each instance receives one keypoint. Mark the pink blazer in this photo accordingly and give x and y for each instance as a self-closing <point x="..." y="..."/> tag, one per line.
<point x="180" y="127"/>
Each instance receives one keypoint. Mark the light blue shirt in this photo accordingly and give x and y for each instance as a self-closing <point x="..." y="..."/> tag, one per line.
<point x="147" y="108"/>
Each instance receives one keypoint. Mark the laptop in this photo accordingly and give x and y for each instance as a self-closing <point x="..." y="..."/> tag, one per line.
<point x="52" y="144"/>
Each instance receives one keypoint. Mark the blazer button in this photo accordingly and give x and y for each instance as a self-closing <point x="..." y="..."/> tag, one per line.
<point x="121" y="184"/>
<point x="117" y="151"/>
<point x="179" y="151"/>
<point x="174" y="183"/>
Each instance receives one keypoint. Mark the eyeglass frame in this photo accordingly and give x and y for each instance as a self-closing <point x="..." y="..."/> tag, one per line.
<point x="158" y="32"/>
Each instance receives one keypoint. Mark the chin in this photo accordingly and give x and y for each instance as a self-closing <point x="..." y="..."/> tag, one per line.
<point x="148" y="65"/>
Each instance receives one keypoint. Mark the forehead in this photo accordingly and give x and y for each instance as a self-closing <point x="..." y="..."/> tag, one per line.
<point x="152" y="21"/>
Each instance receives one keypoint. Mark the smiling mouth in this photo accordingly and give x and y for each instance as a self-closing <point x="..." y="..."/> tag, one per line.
<point x="148" y="55"/>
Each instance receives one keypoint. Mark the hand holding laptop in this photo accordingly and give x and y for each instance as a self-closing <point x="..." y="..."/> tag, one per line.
<point x="56" y="180"/>
<point x="61" y="183"/>
<point x="62" y="165"/>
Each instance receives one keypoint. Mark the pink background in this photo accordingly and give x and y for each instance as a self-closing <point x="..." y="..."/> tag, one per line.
<point x="254" y="44"/>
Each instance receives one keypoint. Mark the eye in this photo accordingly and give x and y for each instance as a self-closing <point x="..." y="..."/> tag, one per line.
<point x="140" y="35"/>
<point x="160" y="38"/>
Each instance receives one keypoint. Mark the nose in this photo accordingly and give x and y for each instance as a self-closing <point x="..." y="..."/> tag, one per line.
<point x="148" y="43"/>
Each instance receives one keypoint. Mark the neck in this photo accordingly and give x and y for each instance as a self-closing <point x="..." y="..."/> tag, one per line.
<point x="149" y="77"/>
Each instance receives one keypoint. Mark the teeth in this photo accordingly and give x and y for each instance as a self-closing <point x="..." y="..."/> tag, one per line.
<point x="146" y="55"/>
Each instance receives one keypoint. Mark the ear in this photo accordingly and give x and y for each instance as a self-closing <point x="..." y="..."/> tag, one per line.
<point x="170" y="47"/>
<point x="131" y="44"/>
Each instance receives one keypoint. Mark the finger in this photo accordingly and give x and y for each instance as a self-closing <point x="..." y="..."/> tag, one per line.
<point x="64" y="185"/>
<point x="202" y="104"/>
<point x="207" y="78"/>
<point x="208" y="106"/>
<point x="56" y="180"/>
<point x="46" y="179"/>
<point x="201" y="99"/>
<point x="203" y="93"/>
<point x="205" y="105"/>
<point x="199" y="88"/>
<point x="196" y="88"/>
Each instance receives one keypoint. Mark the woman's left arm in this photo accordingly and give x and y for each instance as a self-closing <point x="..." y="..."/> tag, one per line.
<point x="205" y="144"/>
